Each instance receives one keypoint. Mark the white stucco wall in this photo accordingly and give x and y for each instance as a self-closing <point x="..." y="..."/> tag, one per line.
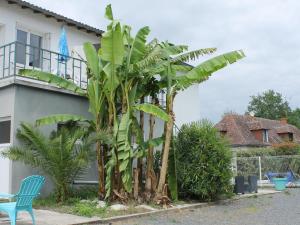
<point x="13" y="17"/>
<point x="187" y="106"/>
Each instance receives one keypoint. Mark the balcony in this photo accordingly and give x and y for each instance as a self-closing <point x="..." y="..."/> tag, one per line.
<point x="17" y="55"/>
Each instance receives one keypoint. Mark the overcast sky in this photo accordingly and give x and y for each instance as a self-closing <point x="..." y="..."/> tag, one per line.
<point x="267" y="30"/>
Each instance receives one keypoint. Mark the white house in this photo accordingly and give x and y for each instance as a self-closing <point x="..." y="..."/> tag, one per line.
<point x="29" y="37"/>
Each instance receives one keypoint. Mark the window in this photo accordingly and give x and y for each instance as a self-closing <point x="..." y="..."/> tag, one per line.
<point x="265" y="136"/>
<point x="35" y="43"/>
<point x="291" y="138"/>
<point x="21" y="47"/>
<point x="5" y="132"/>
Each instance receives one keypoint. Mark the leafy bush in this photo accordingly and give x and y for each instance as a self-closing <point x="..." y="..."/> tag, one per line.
<point x="253" y="152"/>
<point x="203" y="162"/>
<point x="287" y="148"/>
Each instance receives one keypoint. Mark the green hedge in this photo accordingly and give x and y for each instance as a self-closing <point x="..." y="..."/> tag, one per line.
<point x="203" y="162"/>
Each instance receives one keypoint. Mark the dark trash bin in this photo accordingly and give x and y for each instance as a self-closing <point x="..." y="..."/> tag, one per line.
<point x="252" y="181"/>
<point x="239" y="187"/>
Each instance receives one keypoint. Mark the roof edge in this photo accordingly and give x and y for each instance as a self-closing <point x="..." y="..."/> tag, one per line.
<point x="59" y="18"/>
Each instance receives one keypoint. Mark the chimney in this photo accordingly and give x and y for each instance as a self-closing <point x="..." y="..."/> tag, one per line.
<point x="283" y="121"/>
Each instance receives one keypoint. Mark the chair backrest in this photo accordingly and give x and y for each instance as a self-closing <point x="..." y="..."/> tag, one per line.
<point x="30" y="188"/>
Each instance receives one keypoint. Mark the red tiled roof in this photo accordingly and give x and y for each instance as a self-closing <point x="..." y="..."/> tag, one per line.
<point x="240" y="130"/>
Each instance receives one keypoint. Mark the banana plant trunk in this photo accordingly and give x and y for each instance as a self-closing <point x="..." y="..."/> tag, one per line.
<point x="150" y="172"/>
<point x="140" y="160"/>
<point x="167" y="144"/>
<point x="101" y="172"/>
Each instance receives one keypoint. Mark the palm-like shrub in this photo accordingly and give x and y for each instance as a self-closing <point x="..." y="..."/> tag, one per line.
<point x="203" y="162"/>
<point x="63" y="156"/>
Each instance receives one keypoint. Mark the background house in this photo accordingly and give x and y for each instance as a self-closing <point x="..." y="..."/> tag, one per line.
<point x="247" y="131"/>
<point x="29" y="37"/>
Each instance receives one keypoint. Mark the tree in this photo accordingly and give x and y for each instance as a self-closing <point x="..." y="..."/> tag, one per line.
<point x="294" y="117"/>
<point x="63" y="156"/>
<point x="269" y="105"/>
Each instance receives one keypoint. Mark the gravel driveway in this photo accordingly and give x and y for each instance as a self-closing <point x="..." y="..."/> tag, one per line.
<point x="275" y="209"/>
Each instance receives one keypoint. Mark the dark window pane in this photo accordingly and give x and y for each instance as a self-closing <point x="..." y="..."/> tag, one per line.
<point x="21" y="47"/>
<point x="4" y="132"/>
<point x="35" y="50"/>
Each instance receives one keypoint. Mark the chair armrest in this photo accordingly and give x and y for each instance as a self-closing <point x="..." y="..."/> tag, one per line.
<point x="5" y="196"/>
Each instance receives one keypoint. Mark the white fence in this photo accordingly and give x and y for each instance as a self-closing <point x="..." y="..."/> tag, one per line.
<point x="260" y="165"/>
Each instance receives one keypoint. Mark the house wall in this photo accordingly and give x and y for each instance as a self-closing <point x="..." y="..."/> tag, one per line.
<point x="6" y="112"/>
<point x="33" y="103"/>
<point x="187" y="106"/>
<point x="13" y="16"/>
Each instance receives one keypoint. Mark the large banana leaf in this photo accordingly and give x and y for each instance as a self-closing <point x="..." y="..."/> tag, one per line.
<point x="92" y="59"/>
<point x="53" y="79"/>
<point x="154" y="110"/>
<point x="58" y="118"/>
<point x="96" y="97"/>
<point x="112" y="47"/>
<point x="203" y="71"/>
<point x="138" y="47"/>
<point x="125" y="151"/>
<point x="192" y="55"/>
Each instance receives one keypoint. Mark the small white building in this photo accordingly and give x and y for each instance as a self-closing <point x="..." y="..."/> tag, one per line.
<point x="29" y="38"/>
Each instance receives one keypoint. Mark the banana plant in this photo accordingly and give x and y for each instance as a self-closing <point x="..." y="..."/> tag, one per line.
<point x="178" y="77"/>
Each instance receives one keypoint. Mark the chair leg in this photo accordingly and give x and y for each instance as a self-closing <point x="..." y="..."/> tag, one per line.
<point x="12" y="217"/>
<point x="32" y="216"/>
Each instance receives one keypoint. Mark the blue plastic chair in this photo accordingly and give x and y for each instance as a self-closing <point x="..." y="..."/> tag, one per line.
<point x="30" y="188"/>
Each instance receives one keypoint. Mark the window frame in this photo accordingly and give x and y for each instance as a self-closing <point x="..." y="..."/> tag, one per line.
<point x="28" y="39"/>
<point x="5" y="119"/>
<point x="265" y="135"/>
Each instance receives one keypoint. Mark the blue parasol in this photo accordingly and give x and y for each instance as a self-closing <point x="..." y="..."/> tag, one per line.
<point x="63" y="46"/>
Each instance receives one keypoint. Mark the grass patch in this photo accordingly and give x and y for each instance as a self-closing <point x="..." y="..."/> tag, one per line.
<point x="87" y="208"/>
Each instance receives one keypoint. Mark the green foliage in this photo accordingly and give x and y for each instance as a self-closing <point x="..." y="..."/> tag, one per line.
<point x="287" y="148"/>
<point x="269" y="105"/>
<point x="203" y="162"/>
<point x="282" y="149"/>
<point x="294" y="118"/>
<point x="152" y="109"/>
<point x="63" y="156"/>
<point x="59" y="118"/>
<point x="252" y="152"/>
<point x="52" y="79"/>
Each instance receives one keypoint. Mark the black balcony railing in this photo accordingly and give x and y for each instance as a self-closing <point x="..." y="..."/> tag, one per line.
<point x="17" y="55"/>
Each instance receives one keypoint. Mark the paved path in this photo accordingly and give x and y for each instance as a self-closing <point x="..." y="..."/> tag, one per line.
<point x="276" y="209"/>
<point x="45" y="217"/>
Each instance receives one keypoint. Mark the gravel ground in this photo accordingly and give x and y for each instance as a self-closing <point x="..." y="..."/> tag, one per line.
<point x="275" y="209"/>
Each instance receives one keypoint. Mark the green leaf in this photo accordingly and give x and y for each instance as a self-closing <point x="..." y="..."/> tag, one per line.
<point x="138" y="47"/>
<point x="154" y="110"/>
<point x="53" y="79"/>
<point x="112" y="47"/>
<point x="203" y="71"/>
<point x="109" y="13"/>
<point x="192" y="55"/>
<point x="92" y="58"/>
<point x="59" y="118"/>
